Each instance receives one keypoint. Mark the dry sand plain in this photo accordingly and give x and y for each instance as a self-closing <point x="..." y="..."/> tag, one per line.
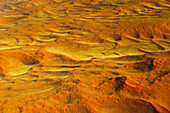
<point x="84" y="56"/>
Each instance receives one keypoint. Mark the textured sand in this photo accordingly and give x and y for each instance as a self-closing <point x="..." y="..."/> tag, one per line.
<point x="84" y="56"/>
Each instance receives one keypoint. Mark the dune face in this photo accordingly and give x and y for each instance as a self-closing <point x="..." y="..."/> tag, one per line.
<point x="84" y="56"/>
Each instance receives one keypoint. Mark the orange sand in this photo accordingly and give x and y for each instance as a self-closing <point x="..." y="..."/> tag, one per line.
<point x="84" y="56"/>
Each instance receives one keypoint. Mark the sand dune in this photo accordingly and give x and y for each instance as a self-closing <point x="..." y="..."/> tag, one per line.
<point x="84" y="56"/>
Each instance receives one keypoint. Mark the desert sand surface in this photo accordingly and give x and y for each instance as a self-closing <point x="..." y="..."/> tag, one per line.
<point x="84" y="56"/>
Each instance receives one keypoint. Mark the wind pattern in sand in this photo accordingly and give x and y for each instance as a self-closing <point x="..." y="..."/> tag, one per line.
<point x="84" y="56"/>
